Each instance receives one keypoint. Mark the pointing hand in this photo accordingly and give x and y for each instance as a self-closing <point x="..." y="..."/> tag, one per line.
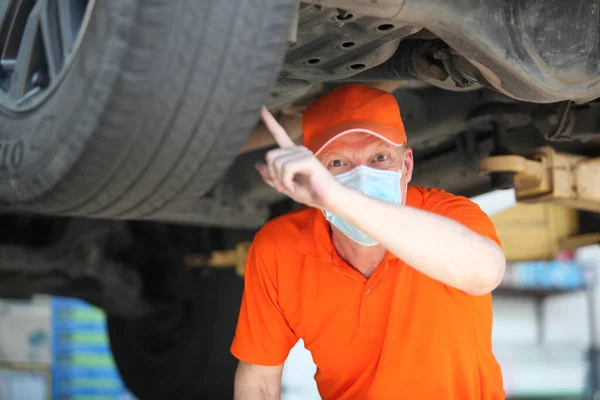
<point x="294" y="170"/>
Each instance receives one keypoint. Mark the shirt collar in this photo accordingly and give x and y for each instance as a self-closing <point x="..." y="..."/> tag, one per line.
<point x="315" y="238"/>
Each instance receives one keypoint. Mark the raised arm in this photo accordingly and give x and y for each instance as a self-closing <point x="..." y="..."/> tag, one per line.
<point x="436" y="245"/>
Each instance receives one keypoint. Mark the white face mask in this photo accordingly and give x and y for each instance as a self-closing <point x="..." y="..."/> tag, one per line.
<point x="380" y="184"/>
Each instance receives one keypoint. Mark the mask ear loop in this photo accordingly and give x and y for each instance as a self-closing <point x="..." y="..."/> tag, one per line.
<point x="401" y="175"/>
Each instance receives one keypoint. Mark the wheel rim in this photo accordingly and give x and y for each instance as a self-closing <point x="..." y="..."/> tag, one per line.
<point x="38" y="39"/>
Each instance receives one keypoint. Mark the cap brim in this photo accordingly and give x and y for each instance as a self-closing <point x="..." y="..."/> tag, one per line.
<point x="383" y="132"/>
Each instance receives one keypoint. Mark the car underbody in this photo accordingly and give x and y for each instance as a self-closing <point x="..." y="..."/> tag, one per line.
<point x="498" y="91"/>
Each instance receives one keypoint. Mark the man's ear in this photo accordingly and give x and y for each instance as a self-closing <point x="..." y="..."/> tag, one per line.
<point x="409" y="163"/>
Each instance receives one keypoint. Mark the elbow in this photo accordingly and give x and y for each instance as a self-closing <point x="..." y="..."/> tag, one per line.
<point x="489" y="271"/>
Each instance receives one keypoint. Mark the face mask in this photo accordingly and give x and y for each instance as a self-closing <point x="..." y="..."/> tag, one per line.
<point x="380" y="184"/>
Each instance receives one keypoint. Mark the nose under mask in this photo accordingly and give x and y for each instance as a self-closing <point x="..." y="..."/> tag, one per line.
<point x="380" y="184"/>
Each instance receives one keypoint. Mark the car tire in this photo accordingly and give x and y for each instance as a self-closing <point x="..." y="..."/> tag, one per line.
<point x="158" y="98"/>
<point x="182" y="351"/>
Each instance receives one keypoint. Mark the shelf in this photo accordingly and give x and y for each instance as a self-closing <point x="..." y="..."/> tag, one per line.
<point x="505" y="291"/>
<point x="548" y="397"/>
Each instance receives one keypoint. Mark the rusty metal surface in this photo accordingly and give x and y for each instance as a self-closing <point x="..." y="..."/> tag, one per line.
<point x="332" y="45"/>
<point x="541" y="51"/>
<point x="385" y="9"/>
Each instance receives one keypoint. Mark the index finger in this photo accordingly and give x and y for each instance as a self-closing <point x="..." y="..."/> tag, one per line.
<point x="279" y="134"/>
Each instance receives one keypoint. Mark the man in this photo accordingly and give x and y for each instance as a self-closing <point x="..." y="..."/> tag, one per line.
<point x="388" y="285"/>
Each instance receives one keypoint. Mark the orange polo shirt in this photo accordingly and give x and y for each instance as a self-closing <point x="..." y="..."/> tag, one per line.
<point x="397" y="335"/>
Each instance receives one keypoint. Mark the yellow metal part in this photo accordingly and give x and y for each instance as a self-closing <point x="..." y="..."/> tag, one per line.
<point x="532" y="232"/>
<point x="221" y="259"/>
<point x="548" y="176"/>
<point x="549" y="187"/>
<point x="577" y="241"/>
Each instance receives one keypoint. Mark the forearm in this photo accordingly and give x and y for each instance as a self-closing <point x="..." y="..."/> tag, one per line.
<point x="254" y="392"/>
<point x="434" y="245"/>
<point x="254" y="382"/>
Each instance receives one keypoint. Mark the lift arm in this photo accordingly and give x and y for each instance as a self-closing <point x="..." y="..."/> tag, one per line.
<point x="235" y="258"/>
<point x="547" y="176"/>
<point x="550" y="187"/>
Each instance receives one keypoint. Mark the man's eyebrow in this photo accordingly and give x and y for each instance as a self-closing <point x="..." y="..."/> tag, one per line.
<point x="329" y="156"/>
<point x="382" y="147"/>
<point x="331" y="152"/>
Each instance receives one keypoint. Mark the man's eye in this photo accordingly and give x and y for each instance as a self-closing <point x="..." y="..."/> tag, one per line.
<point x="381" y="158"/>
<point x="336" y="163"/>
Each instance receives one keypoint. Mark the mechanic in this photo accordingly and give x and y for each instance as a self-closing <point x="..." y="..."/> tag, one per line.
<point x="388" y="285"/>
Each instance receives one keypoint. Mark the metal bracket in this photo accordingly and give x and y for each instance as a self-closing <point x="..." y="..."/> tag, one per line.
<point x="547" y="176"/>
<point x="577" y="241"/>
<point x="221" y="259"/>
<point x="563" y="121"/>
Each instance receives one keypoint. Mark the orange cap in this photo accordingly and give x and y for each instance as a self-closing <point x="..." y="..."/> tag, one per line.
<point x="352" y="108"/>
